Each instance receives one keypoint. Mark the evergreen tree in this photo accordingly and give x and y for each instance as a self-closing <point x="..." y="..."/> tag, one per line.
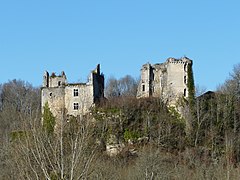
<point x="48" y="119"/>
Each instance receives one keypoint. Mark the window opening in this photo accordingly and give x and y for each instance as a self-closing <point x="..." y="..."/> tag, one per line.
<point x="185" y="92"/>
<point x="185" y="79"/>
<point x="185" y="67"/>
<point x="75" y="92"/>
<point x="75" y="106"/>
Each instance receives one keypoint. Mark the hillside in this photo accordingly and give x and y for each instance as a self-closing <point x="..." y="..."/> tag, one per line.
<point x="147" y="139"/>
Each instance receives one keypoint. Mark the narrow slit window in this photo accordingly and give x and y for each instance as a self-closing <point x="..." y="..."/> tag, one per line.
<point x="143" y="87"/>
<point x="59" y="83"/>
<point x="184" y="92"/>
<point x="185" y="67"/>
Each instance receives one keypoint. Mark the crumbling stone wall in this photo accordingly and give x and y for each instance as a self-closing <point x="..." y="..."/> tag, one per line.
<point x="166" y="80"/>
<point x="71" y="98"/>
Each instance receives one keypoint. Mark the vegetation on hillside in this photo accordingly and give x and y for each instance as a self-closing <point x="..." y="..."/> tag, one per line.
<point x="156" y="142"/>
<point x="135" y="120"/>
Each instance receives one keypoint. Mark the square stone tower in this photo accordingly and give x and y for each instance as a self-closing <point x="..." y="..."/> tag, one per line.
<point x="166" y="80"/>
<point x="73" y="99"/>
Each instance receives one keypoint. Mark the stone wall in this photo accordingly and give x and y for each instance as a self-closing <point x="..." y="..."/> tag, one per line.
<point x="84" y="99"/>
<point x="166" y="80"/>
<point x="56" y="101"/>
<point x="71" y="98"/>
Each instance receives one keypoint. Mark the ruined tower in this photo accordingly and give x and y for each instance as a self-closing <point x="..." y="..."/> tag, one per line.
<point x="72" y="99"/>
<point x="168" y="80"/>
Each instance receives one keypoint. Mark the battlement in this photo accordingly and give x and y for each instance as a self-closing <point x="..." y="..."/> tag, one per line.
<point x="158" y="66"/>
<point x="54" y="80"/>
<point x="183" y="60"/>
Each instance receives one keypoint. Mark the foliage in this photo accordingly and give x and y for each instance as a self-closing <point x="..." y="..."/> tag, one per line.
<point x="141" y="120"/>
<point x="175" y="114"/>
<point x="190" y="85"/>
<point x="16" y="135"/>
<point x="48" y="120"/>
<point x="131" y="135"/>
<point x="160" y="148"/>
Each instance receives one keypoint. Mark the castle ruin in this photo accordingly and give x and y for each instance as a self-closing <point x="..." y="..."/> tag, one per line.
<point x="168" y="80"/>
<point x="71" y="99"/>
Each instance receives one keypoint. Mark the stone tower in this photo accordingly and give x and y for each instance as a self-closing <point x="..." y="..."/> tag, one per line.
<point x="72" y="99"/>
<point x="166" y="80"/>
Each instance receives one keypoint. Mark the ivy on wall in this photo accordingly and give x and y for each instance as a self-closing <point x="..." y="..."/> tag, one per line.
<point x="190" y="85"/>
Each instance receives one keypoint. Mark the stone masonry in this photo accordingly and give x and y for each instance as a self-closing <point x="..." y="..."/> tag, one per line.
<point x="72" y="99"/>
<point x="166" y="80"/>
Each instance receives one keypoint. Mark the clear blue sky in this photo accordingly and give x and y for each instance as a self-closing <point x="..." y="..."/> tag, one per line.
<point x="75" y="35"/>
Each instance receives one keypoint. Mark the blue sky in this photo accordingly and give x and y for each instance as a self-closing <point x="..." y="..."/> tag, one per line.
<point x="76" y="35"/>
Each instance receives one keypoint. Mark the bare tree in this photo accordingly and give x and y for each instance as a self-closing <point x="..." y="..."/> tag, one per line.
<point x="18" y="102"/>
<point x="65" y="155"/>
<point x="124" y="87"/>
<point x="128" y="86"/>
<point x="112" y="88"/>
<point x="18" y="99"/>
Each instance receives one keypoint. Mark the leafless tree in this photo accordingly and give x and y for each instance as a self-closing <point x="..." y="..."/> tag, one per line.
<point x="18" y="102"/>
<point x="124" y="87"/>
<point x="18" y="99"/>
<point x="65" y="155"/>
